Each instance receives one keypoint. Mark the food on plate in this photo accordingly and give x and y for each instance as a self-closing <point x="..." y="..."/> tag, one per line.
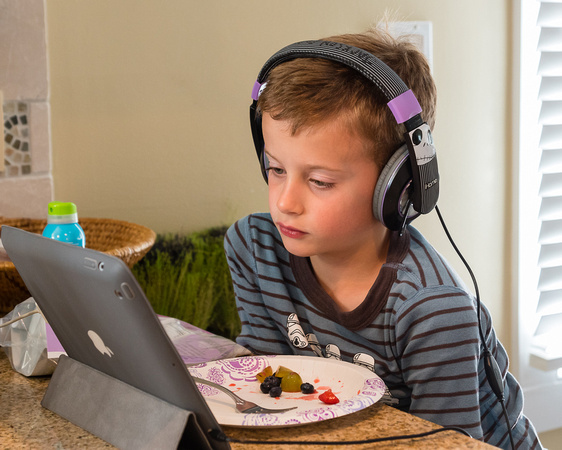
<point x="267" y="372"/>
<point x="291" y="382"/>
<point x="285" y="379"/>
<point x="282" y="371"/>
<point x="329" y="397"/>
<point x="275" y="391"/>
<point x="269" y="383"/>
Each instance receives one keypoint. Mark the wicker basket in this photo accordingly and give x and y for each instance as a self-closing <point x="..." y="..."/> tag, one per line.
<point x="125" y="240"/>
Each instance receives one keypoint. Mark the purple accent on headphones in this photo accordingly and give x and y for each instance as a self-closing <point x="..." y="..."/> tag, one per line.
<point x="256" y="90"/>
<point x="405" y="106"/>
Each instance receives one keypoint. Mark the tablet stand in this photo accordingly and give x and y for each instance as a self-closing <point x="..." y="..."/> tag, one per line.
<point x="118" y="412"/>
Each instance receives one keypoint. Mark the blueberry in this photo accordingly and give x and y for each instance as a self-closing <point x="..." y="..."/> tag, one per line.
<point x="269" y="383"/>
<point x="307" y="388"/>
<point x="275" y="391"/>
<point x="273" y="381"/>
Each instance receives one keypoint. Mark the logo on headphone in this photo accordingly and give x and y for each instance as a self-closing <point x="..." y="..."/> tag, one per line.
<point x="431" y="184"/>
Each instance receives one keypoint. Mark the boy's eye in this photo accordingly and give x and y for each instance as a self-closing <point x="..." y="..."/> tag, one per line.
<point x="322" y="184"/>
<point x="275" y="170"/>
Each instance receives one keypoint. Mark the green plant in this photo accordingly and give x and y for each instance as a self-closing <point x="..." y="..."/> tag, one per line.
<point x="187" y="277"/>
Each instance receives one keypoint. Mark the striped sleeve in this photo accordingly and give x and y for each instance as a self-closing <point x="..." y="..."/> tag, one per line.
<point x="440" y="356"/>
<point x="262" y="332"/>
<point x="437" y="337"/>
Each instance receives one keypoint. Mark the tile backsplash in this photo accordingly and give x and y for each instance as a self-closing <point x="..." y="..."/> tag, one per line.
<point x="17" y="155"/>
<point x="26" y="184"/>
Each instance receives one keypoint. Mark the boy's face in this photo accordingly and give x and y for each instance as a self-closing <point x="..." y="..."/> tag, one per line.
<point x="321" y="186"/>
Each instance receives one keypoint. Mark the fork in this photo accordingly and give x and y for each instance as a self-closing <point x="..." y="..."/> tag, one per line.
<point x="243" y="406"/>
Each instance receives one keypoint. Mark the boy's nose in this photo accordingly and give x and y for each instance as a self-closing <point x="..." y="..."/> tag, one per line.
<point x="289" y="200"/>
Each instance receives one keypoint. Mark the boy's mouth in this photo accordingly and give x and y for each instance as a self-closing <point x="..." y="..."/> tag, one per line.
<point x="290" y="231"/>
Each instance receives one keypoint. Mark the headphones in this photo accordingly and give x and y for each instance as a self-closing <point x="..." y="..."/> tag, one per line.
<point x="408" y="185"/>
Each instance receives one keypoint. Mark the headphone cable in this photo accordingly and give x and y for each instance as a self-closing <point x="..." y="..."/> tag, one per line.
<point x="221" y="436"/>
<point x="493" y="372"/>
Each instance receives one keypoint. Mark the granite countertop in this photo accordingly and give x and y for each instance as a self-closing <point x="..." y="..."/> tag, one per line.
<point x="24" y="423"/>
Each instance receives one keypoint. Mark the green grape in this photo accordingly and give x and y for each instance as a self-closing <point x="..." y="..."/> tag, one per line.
<point x="291" y="382"/>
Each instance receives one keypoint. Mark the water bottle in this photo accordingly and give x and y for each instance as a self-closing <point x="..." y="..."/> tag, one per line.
<point x="62" y="224"/>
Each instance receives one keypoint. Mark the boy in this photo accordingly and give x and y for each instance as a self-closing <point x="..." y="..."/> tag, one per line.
<point x="321" y="275"/>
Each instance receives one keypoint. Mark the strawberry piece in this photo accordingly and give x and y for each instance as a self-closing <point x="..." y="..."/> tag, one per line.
<point x="329" y="397"/>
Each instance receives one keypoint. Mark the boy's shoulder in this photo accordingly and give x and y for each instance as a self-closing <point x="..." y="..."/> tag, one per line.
<point x="252" y="223"/>
<point x="255" y="242"/>
<point x="254" y="229"/>
<point x="426" y="267"/>
<point x="426" y="286"/>
<point x="420" y="246"/>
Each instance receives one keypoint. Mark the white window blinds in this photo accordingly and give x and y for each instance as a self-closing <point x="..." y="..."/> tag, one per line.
<point x="548" y="334"/>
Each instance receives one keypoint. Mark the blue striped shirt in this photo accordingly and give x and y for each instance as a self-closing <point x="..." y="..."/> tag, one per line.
<point x="417" y="328"/>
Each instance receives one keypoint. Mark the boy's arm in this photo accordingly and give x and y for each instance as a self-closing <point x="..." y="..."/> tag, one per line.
<point x="438" y="342"/>
<point x="260" y="333"/>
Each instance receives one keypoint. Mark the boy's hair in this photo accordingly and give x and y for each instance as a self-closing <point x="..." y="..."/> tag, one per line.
<point x="307" y="92"/>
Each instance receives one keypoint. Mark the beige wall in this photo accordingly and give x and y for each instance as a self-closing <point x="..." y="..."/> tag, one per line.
<point x="150" y="101"/>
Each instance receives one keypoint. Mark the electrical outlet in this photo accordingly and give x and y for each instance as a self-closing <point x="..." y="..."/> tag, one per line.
<point x="419" y="33"/>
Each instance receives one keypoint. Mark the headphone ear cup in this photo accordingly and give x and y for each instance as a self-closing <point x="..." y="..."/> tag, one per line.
<point x="257" y="137"/>
<point x="392" y="191"/>
<point x="264" y="165"/>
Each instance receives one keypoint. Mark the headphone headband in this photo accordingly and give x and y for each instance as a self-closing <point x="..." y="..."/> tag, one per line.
<point x="400" y="99"/>
<point x="362" y="61"/>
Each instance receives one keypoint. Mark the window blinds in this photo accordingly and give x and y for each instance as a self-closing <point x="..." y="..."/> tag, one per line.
<point x="548" y="334"/>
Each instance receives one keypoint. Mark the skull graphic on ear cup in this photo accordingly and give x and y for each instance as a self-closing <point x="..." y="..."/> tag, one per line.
<point x="408" y="185"/>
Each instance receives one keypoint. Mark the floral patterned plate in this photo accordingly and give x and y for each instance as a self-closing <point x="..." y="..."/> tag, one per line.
<point x="356" y="387"/>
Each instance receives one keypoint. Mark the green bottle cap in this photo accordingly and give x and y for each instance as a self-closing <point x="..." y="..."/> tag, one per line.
<point x="61" y="208"/>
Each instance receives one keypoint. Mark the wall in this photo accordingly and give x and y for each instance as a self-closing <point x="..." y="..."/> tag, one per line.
<point x="25" y="151"/>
